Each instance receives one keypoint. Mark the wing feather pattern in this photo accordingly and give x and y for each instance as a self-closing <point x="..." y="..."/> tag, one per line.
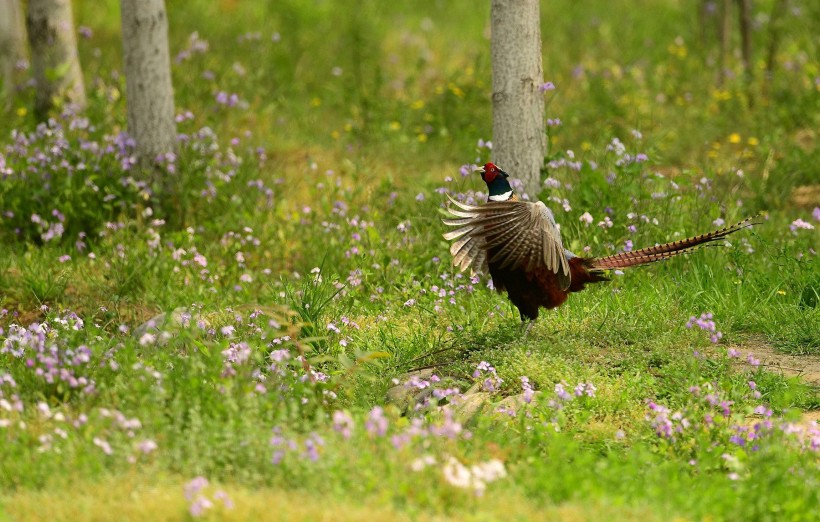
<point x="521" y="234"/>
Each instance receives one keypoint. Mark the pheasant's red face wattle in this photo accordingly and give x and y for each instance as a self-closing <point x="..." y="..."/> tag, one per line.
<point x="489" y="173"/>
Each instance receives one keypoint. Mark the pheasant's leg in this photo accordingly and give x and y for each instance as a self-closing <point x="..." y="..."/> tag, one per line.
<point x="526" y="326"/>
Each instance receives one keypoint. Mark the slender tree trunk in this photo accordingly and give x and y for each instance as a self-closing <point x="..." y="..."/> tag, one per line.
<point x="519" y="139"/>
<point x="725" y="33"/>
<point x="775" y="30"/>
<point x="745" y="8"/>
<point x="12" y="44"/>
<point x="149" y="92"/>
<point x="54" y="60"/>
<point x="704" y="17"/>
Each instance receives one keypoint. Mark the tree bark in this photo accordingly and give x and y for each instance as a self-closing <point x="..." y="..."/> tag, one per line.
<point x="745" y="8"/>
<point x="519" y="138"/>
<point x="775" y="29"/>
<point x="12" y="44"/>
<point x="149" y="92"/>
<point x="54" y="59"/>
<point x="725" y="33"/>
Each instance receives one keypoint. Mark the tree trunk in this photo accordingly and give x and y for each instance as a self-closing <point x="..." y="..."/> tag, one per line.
<point x="745" y="8"/>
<point x="12" y="44"/>
<point x="54" y="60"/>
<point x="519" y="138"/>
<point x="775" y="29"/>
<point x="725" y="34"/>
<point x="149" y="92"/>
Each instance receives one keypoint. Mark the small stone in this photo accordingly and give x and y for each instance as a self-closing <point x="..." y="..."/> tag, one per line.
<point x="404" y="396"/>
<point x="468" y="406"/>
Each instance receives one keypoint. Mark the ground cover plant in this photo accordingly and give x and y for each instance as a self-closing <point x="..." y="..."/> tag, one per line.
<point x="288" y="331"/>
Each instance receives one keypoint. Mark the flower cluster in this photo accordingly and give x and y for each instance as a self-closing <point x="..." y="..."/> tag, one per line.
<point x="49" y="356"/>
<point x="490" y="381"/>
<point x="799" y="224"/>
<point x="709" y="412"/>
<point x="624" y="158"/>
<point x="707" y="324"/>
<point x="307" y="449"/>
<point x="200" y="502"/>
<point x="475" y="477"/>
<point x="562" y="396"/>
<point x="40" y="169"/>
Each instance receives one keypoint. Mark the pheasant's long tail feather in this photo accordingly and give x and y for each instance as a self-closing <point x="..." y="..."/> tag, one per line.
<point x="667" y="250"/>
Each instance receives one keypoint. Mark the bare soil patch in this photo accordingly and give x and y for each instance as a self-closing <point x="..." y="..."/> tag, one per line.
<point x="807" y="196"/>
<point x="807" y="367"/>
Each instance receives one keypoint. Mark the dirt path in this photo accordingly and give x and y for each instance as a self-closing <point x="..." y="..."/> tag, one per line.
<point x="807" y="367"/>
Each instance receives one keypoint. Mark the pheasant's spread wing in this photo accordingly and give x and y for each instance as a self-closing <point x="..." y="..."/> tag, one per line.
<point x="520" y="234"/>
<point x="469" y="249"/>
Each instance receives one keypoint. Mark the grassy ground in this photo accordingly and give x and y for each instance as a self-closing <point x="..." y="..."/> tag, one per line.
<point x="302" y="251"/>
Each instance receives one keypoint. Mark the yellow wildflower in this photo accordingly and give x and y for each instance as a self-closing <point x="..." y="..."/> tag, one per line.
<point x="455" y="89"/>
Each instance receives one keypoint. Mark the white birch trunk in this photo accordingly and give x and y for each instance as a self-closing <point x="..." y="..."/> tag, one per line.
<point x="54" y="60"/>
<point x="12" y="44"/>
<point x="149" y="92"/>
<point x="519" y="139"/>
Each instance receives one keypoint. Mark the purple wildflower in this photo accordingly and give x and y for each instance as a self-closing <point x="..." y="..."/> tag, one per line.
<point x="527" y="387"/>
<point x="800" y="224"/>
<point x="147" y="446"/>
<point x="376" y="424"/>
<point x="195" y="486"/>
<point x="200" y="505"/>
<point x="561" y="393"/>
<point x="312" y="444"/>
<point x="343" y="423"/>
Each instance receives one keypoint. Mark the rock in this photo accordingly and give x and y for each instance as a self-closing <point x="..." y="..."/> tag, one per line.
<point x="404" y="395"/>
<point x="464" y="407"/>
<point x="515" y="402"/>
<point x="514" y="405"/>
<point x="467" y="406"/>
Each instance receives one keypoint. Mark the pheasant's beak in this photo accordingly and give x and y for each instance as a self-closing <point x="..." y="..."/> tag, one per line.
<point x="478" y="169"/>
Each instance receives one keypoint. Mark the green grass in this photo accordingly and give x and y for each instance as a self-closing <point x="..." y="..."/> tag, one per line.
<point x="354" y="159"/>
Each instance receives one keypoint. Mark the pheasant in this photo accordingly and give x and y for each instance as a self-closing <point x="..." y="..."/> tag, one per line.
<point x="518" y="243"/>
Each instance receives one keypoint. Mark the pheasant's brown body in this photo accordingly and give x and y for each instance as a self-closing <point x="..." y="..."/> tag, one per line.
<point x="519" y="245"/>
<point x="536" y="289"/>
